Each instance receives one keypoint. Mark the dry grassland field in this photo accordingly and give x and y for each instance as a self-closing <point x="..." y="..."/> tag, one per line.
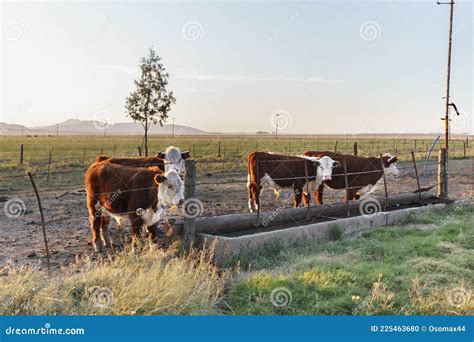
<point x="221" y="186"/>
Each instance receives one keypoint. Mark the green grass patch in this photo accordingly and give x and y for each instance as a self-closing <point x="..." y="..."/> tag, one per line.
<point x="409" y="269"/>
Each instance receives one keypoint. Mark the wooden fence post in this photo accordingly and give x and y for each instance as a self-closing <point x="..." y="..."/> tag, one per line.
<point x="115" y="149"/>
<point x="355" y="148"/>
<point x="442" y="173"/>
<point x="189" y="200"/>
<point x="308" y="196"/>
<point x="335" y="147"/>
<point x="42" y="221"/>
<point x="416" y="172"/>
<point x="21" y="154"/>
<point x="464" y="149"/>
<point x="139" y="150"/>
<point x="219" y="149"/>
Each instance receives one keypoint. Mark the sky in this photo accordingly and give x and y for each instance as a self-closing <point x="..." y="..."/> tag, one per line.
<point x="325" y="67"/>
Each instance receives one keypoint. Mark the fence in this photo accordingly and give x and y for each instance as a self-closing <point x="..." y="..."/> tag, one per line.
<point x="218" y="185"/>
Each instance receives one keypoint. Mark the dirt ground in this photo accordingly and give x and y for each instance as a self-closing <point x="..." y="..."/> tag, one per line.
<point x="67" y="224"/>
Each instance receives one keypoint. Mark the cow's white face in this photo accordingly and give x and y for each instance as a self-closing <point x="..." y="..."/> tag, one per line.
<point x="326" y="164"/>
<point x="171" y="188"/>
<point x="174" y="159"/>
<point x="390" y="167"/>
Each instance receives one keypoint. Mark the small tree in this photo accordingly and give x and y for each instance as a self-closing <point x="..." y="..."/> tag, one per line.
<point x="150" y="102"/>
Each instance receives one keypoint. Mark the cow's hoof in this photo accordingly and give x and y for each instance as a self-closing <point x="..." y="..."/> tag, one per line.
<point x="98" y="247"/>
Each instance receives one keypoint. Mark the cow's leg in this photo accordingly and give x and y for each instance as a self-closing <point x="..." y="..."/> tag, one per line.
<point x="104" y="231"/>
<point x="94" y="219"/>
<point x="95" y="229"/>
<point x="256" y="196"/>
<point x="306" y="198"/>
<point x="152" y="233"/>
<point x="250" y="190"/>
<point x="352" y="194"/>
<point x="318" y="195"/>
<point x="136" y="224"/>
<point x="298" y="193"/>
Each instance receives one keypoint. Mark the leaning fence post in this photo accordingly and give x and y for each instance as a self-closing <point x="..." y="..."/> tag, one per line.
<point x="189" y="202"/>
<point x="42" y="220"/>
<point x="49" y="165"/>
<point x="347" y="188"/>
<point x="442" y="173"/>
<point x="416" y="173"/>
<point x="384" y="183"/>
<point x="335" y="147"/>
<point x="139" y="151"/>
<point x="21" y="154"/>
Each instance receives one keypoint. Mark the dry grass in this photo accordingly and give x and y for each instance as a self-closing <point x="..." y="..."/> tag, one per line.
<point x="131" y="283"/>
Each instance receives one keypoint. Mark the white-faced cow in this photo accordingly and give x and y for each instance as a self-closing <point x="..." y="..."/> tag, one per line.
<point x="139" y="194"/>
<point x="172" y="158"/>
<point x="363" y="173"/>
<point x="267" y="170"/>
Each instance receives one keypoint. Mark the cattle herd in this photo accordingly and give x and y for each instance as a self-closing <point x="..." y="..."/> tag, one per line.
<point x="140" y="189"/>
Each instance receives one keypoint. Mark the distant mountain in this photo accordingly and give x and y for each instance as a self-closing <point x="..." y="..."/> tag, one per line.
<point x="89" y="127"/>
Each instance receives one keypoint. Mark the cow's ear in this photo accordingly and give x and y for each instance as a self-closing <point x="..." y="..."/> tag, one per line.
<point x="159" y="179"/>
<point x="185" y="155"/>
<point x="336" y="164"/>
<point x="392" y="160"/>
<point x="161" y="155"/>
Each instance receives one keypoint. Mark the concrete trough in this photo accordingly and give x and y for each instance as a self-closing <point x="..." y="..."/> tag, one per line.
<point x="233" y="245"/>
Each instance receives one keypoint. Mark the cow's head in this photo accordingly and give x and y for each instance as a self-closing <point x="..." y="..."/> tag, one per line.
<point x="390" y="165"/>
<point x="174" y="158"/>
<point x="326" y="164"/>
<point x="170" y="188"/>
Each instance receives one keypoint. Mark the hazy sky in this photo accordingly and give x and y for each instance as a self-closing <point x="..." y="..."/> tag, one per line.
<point x="328" y="67"/>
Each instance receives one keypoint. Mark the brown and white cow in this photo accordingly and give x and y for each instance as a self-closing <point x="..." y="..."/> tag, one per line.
<point x="172" y="158"/>
<point x="139" y="194"/>
<point x="363" y="173"/>
<point x="274" y="171"/>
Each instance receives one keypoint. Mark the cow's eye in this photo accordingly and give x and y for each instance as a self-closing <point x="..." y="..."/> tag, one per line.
<point x="170" y="187"/>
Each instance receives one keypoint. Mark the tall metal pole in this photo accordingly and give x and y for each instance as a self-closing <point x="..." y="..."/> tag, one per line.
<point x="448" y="75"/>
<point x="448" y="84"/>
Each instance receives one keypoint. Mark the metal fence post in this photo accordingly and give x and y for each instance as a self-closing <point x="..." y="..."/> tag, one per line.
<point x="346" y="183"/>
<point x="49" y="165"/>
<point x="189" y="198"/>
<point x="42" y="221"/>
<point x="442" y="173"/>
<point x="21" y="154"/>
<point x="384" y="183"/>
<point x="416" y="173"/>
